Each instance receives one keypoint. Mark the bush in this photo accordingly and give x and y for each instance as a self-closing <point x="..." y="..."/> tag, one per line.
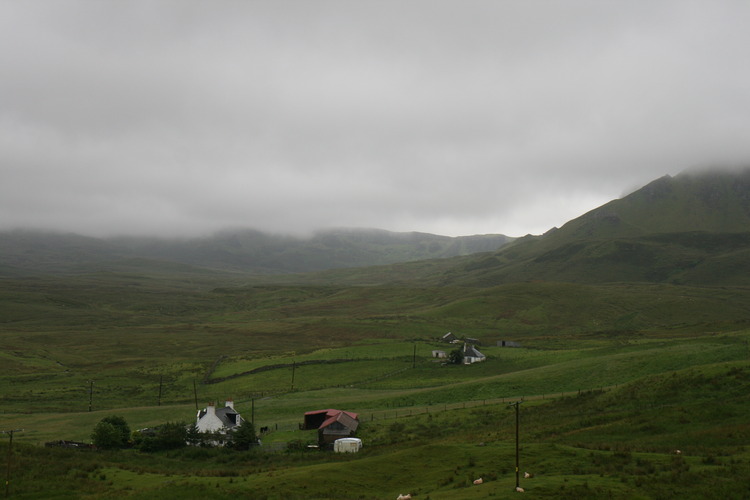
<point x="111" y="433"/>
<point x="243" y="437"/>
<point x="296" y="445"/>
<point x="106" y="437"/>
<point x="193" y="435"/>
<point x="456" y="357"/>
<point x="122" y="427"/>
<point x="169" y="436"/>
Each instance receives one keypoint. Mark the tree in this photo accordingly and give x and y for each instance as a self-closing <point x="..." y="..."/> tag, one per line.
<point x="111" y="433"/>
<point x="193" y="435"/>
<point x="122" y="428"/>
<point x="169" y="436"/>
<point x="243" y="437"/>
<point x="456" y="357"/>
<point x="106" y="436"/>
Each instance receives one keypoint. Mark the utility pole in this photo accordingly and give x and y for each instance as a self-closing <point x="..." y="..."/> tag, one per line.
<point x="161" y="380"/>
<point x="414" y="357"/>
<point x="91" y="393"/>
<point x="516" y="404"/>
<point x="10" y="455"/>
<point x="294" y="365"/>
<point x="252" y="412"/>
<point x="195" y="395"/>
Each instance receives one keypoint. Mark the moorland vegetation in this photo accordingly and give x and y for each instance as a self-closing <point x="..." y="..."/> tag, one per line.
<point x="633" y="367"/>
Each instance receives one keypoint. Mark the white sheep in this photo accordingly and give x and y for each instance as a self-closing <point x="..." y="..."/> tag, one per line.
<point x="527" y="475"/>
<point x="478" y="481"/>
<point x="404" y="497"/>
<point x="519" y="489"/>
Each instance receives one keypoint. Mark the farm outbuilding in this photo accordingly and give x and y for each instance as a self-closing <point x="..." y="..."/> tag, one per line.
<point x="508" y="343"/>
<point x="439" y="354"/>
<point x="449" y="338"/>
<point x="331" y="424"/>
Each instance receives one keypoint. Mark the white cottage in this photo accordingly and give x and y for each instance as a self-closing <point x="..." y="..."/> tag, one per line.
<point x="224" y="419"/>
<point x="472" y="355"/>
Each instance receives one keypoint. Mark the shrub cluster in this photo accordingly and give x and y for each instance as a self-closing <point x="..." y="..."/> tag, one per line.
<point x="113" y="433"/>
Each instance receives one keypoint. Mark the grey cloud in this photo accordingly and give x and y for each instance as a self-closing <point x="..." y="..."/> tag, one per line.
<point x="479" y="116"/>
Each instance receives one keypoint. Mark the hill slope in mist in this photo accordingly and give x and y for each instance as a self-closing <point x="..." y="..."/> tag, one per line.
<point x="245" y="251"/>
<point x="693" y="228"/>
<point x="716" y="202"/>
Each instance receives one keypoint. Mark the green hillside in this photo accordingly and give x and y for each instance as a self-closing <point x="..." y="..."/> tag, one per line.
<point x="691" y="229"/>
<point x="631" y="326"/>
<point x="616" y="441"/>
<point x="715" y="202"/>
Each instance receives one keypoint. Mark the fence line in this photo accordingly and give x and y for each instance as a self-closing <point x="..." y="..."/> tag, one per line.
<point x="408" y="411"/>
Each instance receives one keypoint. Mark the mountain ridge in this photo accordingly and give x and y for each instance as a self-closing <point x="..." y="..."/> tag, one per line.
<point x="693" y="228"/>
<point x="690" y="228"/>
<point x="238" y="250"/>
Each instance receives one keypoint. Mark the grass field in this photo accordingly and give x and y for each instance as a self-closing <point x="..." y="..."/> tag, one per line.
<point x="614" y="379"/>
<point x="613" y="443"/>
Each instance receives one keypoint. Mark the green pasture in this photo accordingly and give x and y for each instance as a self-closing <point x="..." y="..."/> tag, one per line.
<point x="614" y="378"/>
<point x="364" y="351"/>
<point x="364" y="383"/>
<point x="613" y="443"/>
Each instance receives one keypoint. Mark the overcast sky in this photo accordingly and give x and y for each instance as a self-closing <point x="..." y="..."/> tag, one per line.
<point x="451" y="117"/>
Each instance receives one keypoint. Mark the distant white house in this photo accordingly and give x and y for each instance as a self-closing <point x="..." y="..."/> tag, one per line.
<point x="221" y="420"/>
<point x="449" y="338"/>
<point x="472" y="355"/>
<point x="439" y="354"/>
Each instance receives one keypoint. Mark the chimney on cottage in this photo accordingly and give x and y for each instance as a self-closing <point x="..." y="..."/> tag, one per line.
<point x="210" y="409"/>
<point x="229" y="404"/>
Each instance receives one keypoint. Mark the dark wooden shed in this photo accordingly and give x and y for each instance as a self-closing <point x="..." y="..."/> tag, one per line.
<point x="331" y="424"/>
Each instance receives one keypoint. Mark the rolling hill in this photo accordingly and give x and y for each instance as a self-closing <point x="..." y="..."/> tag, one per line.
<point x="632" y="321"/>
<point x="244" y="251"/>
<point x="693" y="228"/>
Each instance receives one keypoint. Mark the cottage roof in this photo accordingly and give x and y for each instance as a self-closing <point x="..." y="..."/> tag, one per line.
<point x="331" y="412"/>
<point x="344" y="418"/>
<point x="347" y="418"/>
<point x="227" y="415"/>
<point x="471" y="351"/>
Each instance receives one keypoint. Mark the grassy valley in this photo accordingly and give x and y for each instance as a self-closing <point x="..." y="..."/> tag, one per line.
<point x="634" y="344"/>
<point x="614" y="378"/>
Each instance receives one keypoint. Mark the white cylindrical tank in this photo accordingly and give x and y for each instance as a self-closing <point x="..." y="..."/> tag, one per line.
<point x="347" y="445"/>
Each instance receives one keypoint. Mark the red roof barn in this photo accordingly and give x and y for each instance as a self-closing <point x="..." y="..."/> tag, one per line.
<point x="331" y="424"/>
